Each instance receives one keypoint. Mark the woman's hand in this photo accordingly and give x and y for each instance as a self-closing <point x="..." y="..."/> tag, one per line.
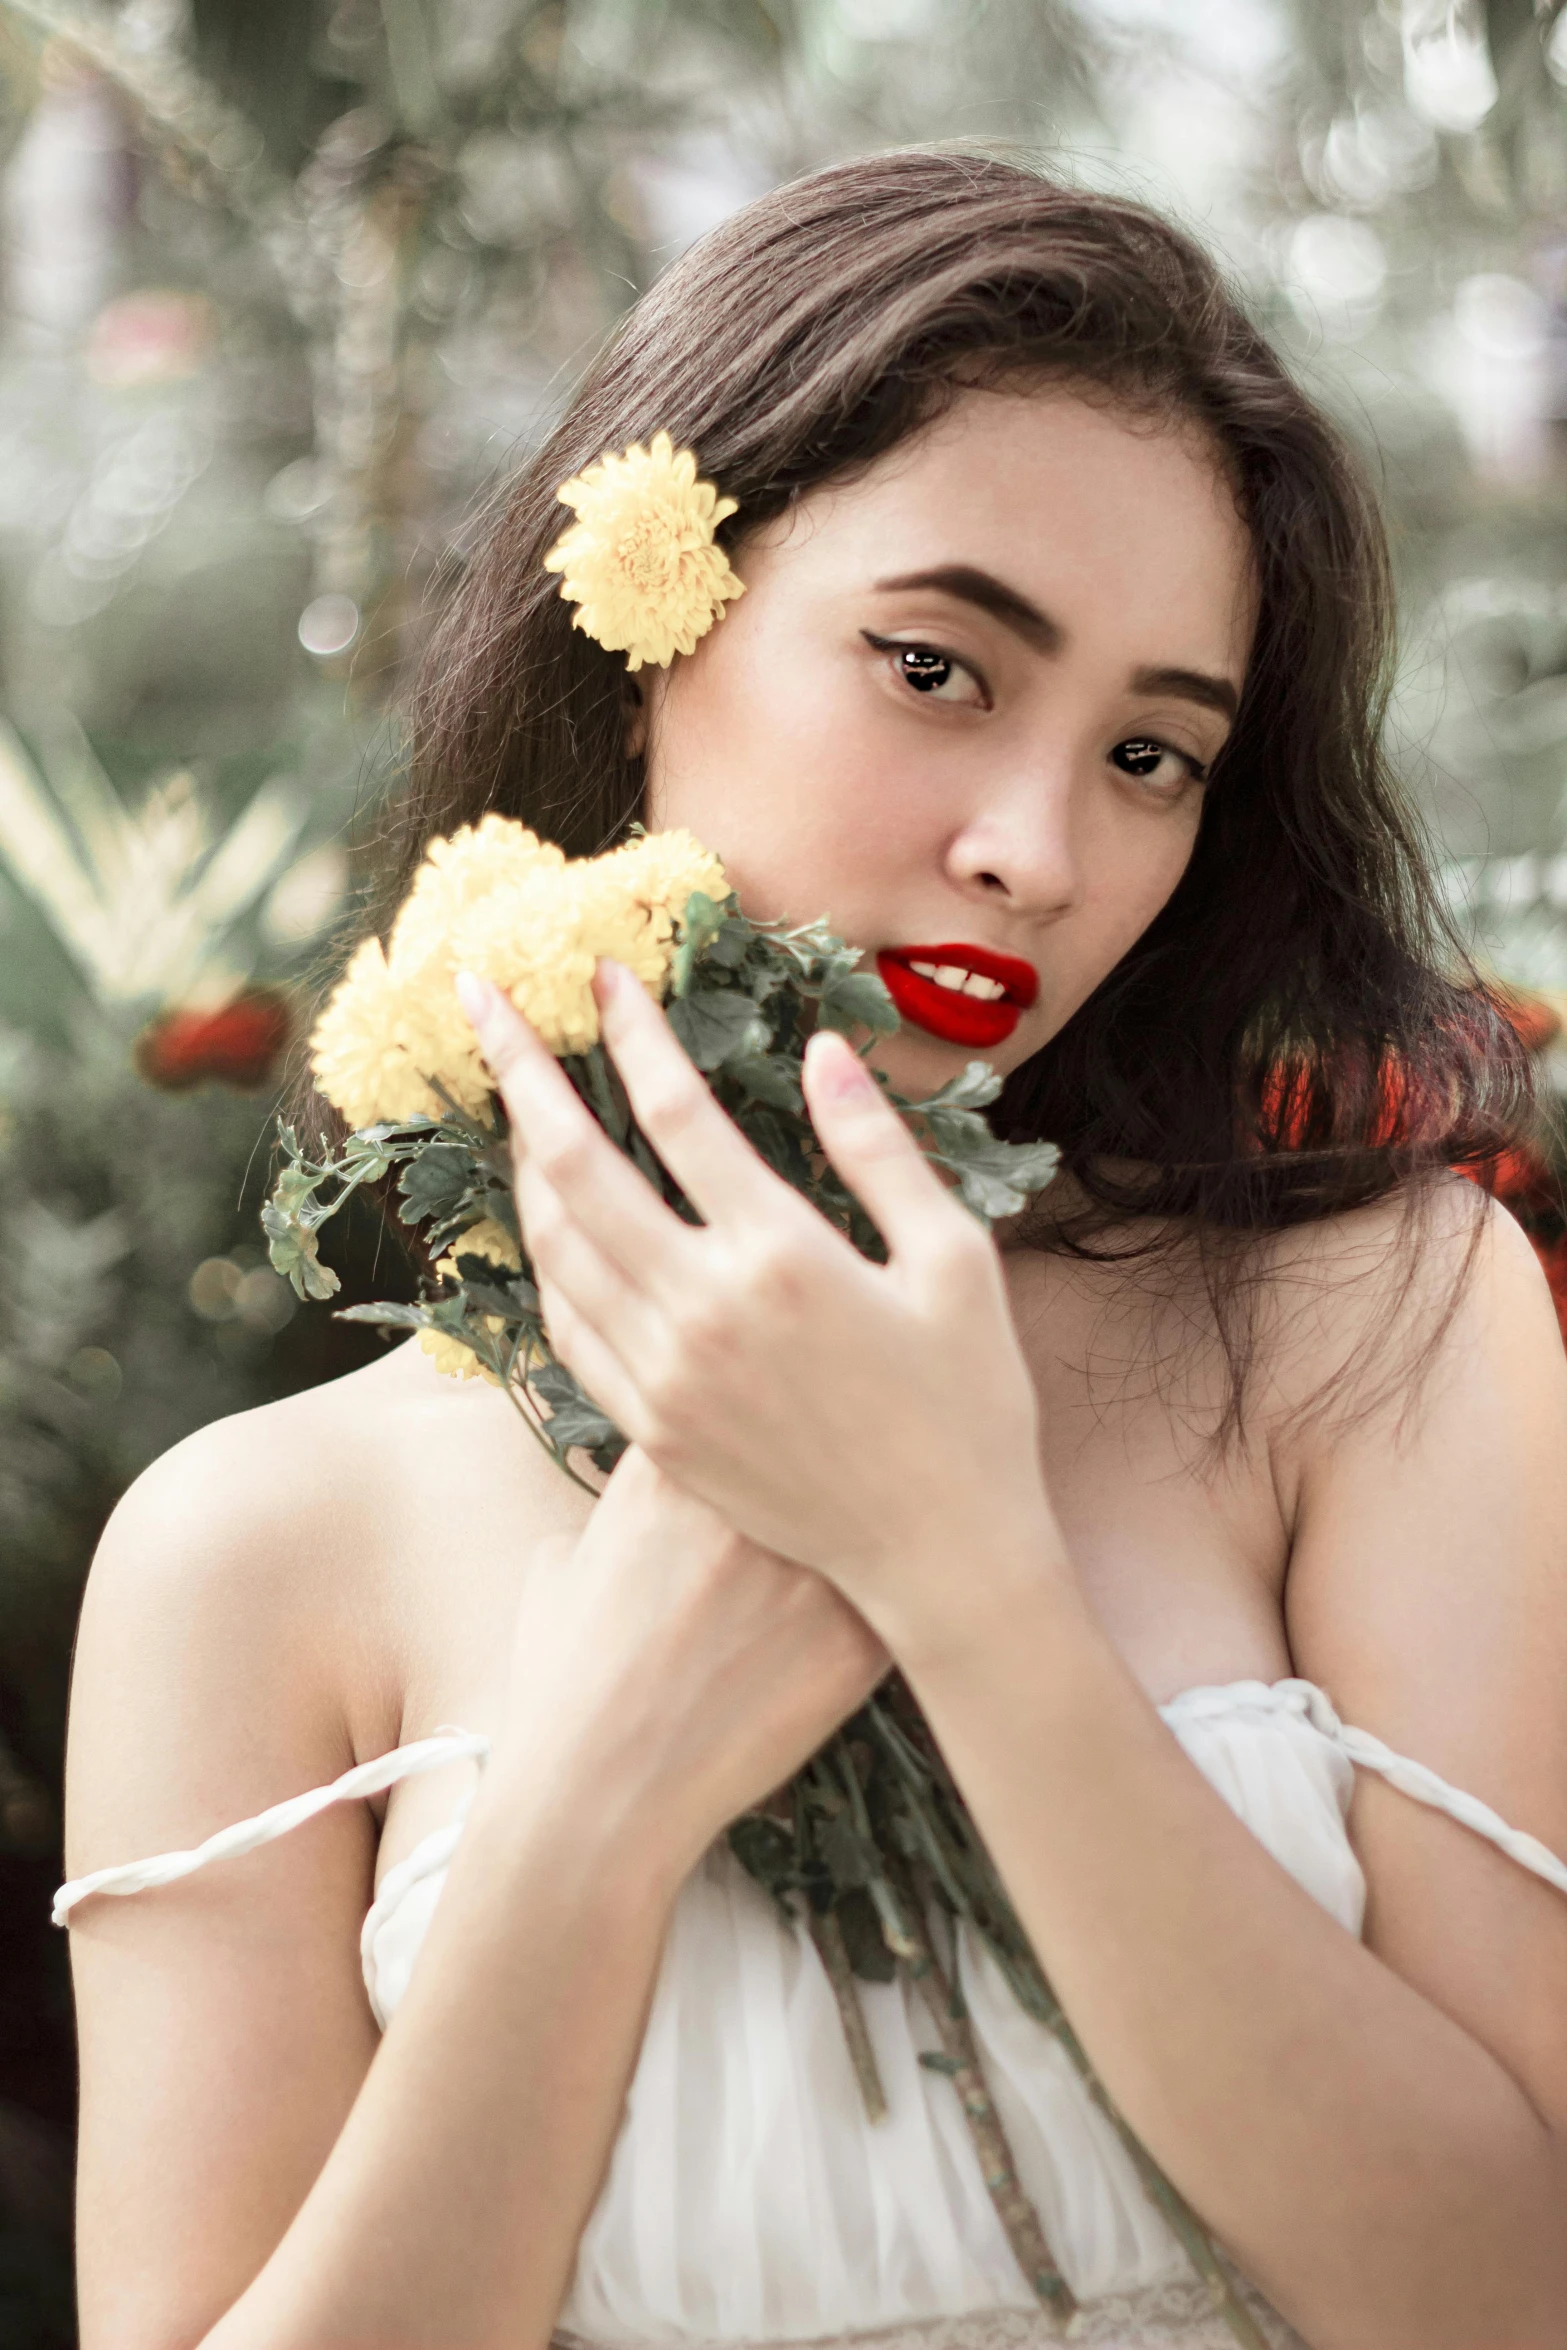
<point x="669" y="1664"/>
<point x="873" y="1421"/>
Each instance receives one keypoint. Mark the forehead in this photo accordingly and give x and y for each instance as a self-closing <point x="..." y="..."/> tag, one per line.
<point x="1103" y="518"/>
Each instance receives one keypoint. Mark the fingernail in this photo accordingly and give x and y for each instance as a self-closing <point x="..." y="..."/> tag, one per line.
<point x="845" y="1077"/>
<point x="613" y="977"/>
<point x="475" y="995"/>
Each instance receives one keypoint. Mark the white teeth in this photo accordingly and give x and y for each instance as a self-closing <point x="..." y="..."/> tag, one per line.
<point x="957" y="981"/>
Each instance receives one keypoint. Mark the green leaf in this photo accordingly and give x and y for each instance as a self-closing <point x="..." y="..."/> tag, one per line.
<point x="366" y="1157"/>
<point x="988" y="1195"/>
<point x="848" y="1861"/>
<point x="701" y="924"/>
<point x="436" y="1183"/>
<point x="295" y="1252"/>
<point x="1031" y="1165"/>
<point x="386" y="1317"/>
<point x="975" y="1085"/>
<point x="764" y="1079"/>
<point x="516" y="1299"/>
<point x="935" y="2062"/>
<point x="580" y="1424"/>
<point x="869" y="1957"/>
<point x="728" y="947"/>
<point x="715" y="1022"/>
<point x="999" y="1178"/>
<point x="765" y="1850"/>
<point x="574" y="1418"/>
<point x="294" y="1190"/>
<point x="858" y="999"/>
<point x="391" y="1129"/>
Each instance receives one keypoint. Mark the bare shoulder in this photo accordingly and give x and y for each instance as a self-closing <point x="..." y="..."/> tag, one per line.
<point x="1375" y="1315"/>
<point x="229" y="1627"/>
<point x="272" y="1594"/>
<point x="1427" y="1591"/>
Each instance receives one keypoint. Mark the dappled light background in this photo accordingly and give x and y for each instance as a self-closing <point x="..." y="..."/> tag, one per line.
<point x="285" y="287"/>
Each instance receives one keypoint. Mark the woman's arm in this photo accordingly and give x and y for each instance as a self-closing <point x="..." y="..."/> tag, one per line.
<point x="1377" y="2130"/>
<point x="259" y="2172"/>
<point x="1384" y="2145"/>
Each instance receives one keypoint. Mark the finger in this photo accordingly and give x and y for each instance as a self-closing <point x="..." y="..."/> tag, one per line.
<point x="609" y="1197"/>
<point x="565" y="1256"/>
<point x="874" y="1152"/>
<point x="697" y="1140"/>
<point x="595" y="1366"/>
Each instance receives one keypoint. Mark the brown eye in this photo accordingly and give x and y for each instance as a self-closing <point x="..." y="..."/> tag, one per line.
<point x="926" y="671"/>
<point x="930" y="671"/>
<point x="1143" y="755"/>
<point x="1138" y="757"/>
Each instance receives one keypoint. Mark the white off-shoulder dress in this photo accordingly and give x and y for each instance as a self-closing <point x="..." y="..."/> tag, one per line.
<point x="749" y="2201"/>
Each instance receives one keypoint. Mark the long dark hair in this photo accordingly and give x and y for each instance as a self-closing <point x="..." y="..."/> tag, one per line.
<point x="1297" y="1032"/>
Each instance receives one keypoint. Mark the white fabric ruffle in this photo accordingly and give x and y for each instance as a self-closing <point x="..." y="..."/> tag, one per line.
<point x="749" y="2204"/>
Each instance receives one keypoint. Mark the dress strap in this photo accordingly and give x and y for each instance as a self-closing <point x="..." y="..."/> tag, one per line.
<point x="449" y="1743"/>
<point x="1414" y="1779"/>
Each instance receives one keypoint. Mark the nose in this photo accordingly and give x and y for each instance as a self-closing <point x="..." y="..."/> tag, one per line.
<point x="1019" y="845"/>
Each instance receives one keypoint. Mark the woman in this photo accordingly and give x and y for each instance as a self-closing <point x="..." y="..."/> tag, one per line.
<point x="1060" y="644"/>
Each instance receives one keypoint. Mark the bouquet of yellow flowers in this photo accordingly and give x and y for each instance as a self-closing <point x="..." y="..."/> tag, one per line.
<point x="394" y="1052"/>
<point x="871" y="1845"/>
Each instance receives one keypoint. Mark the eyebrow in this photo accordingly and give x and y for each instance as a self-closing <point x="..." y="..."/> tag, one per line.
<point x="981" y="588"/>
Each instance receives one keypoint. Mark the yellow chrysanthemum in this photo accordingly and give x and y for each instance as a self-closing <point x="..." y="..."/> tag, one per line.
<point x="496" y="900"/>
<point x="486" y="1239"/>
<point x="663" y="869"/>
<point x="640" y="562"/>
<point x="457" y="872"/>
<point x="360" y="1051"/>
<point x="453" y="1359"/>
<point x="452" y="1356"/>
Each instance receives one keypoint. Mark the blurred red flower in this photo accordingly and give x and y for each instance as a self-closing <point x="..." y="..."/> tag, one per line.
<point x="1523" y="1178"/>
<point x="1554" y="1260"/>
<point x="240" y="1045"/>
<point x="1535" y="1021"/>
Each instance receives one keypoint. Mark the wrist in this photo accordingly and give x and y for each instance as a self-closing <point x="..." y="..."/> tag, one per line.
<point x="958" y="1592"/>
<point x="599" y="1814"/>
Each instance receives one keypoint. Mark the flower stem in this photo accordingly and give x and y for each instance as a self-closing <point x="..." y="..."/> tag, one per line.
<point x="961" y="2061"/>
<point x="933" y="1812"/>
<point x="537" y="1428"/>
<point x="833" y="1951"/>
<point x="902" y="1915"/>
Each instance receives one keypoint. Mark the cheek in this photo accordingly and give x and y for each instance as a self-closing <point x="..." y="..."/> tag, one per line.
<point x="1153" y="876"/>
<point x="1132" y="870"/>
<point x="789" y="786"/>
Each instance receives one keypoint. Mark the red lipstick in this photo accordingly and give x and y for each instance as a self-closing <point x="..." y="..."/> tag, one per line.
<point x="939" y="1006"/>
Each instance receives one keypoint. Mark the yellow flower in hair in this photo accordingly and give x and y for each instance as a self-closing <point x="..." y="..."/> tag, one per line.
<point x="640" y="562"/>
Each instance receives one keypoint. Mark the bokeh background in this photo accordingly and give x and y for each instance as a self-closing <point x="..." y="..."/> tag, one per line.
<point x="286" y="286"/>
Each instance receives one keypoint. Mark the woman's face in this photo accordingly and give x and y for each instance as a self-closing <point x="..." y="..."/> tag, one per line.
<point x="964" y="710"/>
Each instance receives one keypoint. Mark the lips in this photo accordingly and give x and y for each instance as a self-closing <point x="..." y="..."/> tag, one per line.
<point x="942" y="1011"/>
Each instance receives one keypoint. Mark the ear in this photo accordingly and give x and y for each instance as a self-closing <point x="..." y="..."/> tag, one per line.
<point x="634" y="716"/>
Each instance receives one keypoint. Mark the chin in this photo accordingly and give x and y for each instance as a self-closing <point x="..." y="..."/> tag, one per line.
<point x="917" y="1064"/>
